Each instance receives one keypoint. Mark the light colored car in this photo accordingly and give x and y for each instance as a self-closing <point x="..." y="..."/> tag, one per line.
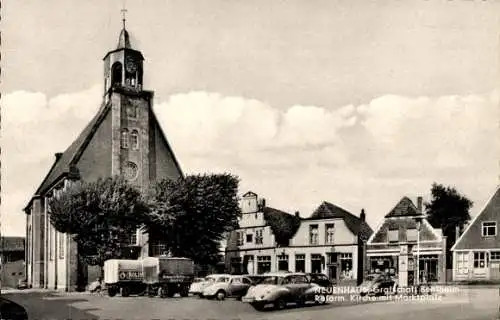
<point x="279" y="289"/>
<point x="198" y="287"/>
<point x="236" y="286"/>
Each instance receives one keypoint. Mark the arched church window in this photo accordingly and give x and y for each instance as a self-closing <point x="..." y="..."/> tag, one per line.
<point x="134" y="139"/>
<point x="124" y="139"/>
<point x="116" y="75"/>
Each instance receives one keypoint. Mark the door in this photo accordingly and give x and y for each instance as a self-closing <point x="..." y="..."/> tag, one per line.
<point x="332" y="273"/>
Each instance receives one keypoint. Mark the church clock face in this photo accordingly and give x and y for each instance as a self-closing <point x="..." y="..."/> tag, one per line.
<point x="130" y="171"/>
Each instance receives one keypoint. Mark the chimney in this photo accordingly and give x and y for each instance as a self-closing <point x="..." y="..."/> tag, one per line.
<point x="419" y="205"/>
<point x="58" y="156"/>
<point x="297" y="214"/>
<point x="362" y="215"/>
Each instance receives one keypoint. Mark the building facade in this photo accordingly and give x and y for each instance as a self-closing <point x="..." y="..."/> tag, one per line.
<point x="403" y="238"/>
<point x="12" y="260"/>
<point x="124" y="138"/>
<point x="476" y="254"/>
<point x="331" y="241"/>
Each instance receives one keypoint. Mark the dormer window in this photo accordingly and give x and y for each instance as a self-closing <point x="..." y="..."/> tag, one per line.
<point x="124" y="139"/>
<point x="489" y="228"/>
<point x="134" y="140"/>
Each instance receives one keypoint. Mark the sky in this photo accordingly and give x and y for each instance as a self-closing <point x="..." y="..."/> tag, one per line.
<point x="357" y="103"/>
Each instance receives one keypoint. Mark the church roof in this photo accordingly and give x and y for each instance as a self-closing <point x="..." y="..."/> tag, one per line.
<point x="124" y="40"/>
<point x="328" y="210"/>
<point x="64" y="164"/>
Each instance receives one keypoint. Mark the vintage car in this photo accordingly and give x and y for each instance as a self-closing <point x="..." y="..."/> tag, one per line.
<point x="11" y="310"/>
<point x="320" y="279"/>
<point x="279" y="289"/>
<point x="237" y="286"/>
<point x="378" y="285"/>
<point x="197" y="288"/>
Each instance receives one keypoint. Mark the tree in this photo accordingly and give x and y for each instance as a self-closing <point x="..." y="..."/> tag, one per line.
<point x="448" y="209"/>
<point x="99" y="215"/>
<point x="193" y="214"/>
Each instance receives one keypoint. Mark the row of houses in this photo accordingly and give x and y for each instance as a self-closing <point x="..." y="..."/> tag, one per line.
<point x="343" y="246"/>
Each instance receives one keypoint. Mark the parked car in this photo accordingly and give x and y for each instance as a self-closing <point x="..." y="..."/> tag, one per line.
<point x="320" y="279"/>
<point x="237" y="286"/>
<point x="256" y="279"/>
<point x="378" y="285"/>
<point x="22" y="284"/>
<point x="279" y="289"/>
<point x="12" y="311"/>
<point x="198" y="287"/>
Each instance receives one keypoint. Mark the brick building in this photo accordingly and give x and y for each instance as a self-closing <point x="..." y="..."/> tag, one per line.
<point x="123" y="138"/>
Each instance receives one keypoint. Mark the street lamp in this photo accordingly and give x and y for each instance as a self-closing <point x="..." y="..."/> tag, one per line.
<point x="418" y="222"/>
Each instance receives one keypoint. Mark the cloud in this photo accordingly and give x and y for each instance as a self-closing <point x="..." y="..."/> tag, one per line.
<point x="366" y="156"/>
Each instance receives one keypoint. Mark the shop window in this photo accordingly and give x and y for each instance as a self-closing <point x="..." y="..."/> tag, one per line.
<point x="263" y="264"/>
<point x="316" y="263"/>
<point x="283" y="263"/>
<point x="480" y="260"/>
<point x="346" y="266"/>
<point x="300" y="263"/>
<point x="489" y="229"/>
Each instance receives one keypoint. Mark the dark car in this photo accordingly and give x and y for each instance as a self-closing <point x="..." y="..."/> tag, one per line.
<point x="11" y="310"/>
<point x="319" y="279"/>
<point x="378" y="285"/>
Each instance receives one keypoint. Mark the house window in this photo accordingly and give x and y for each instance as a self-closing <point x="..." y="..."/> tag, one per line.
<point x="462" y="262"/>
<point x="346" y="265"/>
<point x="480" y="260"/>
<point x="495" y="255"/>
<point x="134" y="139"/>
<point x="330" y="231"/>
<point x="249" y="237"/>
<point x="300" y="263"/>
<point x="133" y="238"/>
<point x="263" y="264"/>
<point x="313" y="234"/>
<point x="411" y="235"/>
<point x="393" y="235"/>
<point x="61" y="237"/>
<point x="258" y="237"/>
<point x="239" y="238"/>
<point x="489" y="228"/>
<point x="124" y="139"/>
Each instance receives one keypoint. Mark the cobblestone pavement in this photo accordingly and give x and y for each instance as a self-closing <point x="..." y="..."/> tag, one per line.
<point x="467" y="304"/>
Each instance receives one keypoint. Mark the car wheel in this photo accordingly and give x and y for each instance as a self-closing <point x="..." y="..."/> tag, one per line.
<point x="280" y="304"/>
<point x="111" y="291"/>
<point x="162" y="292"/>
<point x="125" y="292"/>
<point x="258" y="306"/>
<point x="320" y="299"/>
<point x="220" y="295"/>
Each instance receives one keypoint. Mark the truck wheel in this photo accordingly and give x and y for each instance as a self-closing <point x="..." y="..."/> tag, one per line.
<point x="125" y="292"/>
<point x="184" y="291"/>
<point x="111" y="291"/>
<point x="163" y="292"/>
<point x="171" y="291"/>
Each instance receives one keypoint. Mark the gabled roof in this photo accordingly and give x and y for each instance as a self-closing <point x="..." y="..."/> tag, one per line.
<point x="328" y="210"/>
<point x="63" y="165"/>
<point x="471" y="238"/>
<point x="404" y="208"/>
<point x="283" y="224"/>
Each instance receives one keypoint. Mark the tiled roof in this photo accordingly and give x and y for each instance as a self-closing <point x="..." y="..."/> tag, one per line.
<point x="404" y="208"/>
<point x="64" y="164"/>
<point x="283" y="225"/>
<point x="328" y="210"/>
<point x="9" y="244"/>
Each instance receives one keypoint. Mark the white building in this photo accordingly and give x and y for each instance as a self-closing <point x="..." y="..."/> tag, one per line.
<point x="331" y="241"/>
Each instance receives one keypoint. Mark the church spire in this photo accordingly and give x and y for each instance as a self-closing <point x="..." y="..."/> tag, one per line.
<point x="124" y="40"/>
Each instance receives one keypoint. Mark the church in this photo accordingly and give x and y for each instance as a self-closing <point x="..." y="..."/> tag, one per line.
<point x="123" y="138"/>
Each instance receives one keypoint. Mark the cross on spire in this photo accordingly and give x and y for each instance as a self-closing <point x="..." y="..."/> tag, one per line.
<point x="124" y="12"/>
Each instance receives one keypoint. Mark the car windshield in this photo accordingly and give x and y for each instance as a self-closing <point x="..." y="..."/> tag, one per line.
<point x="271" y="280"/>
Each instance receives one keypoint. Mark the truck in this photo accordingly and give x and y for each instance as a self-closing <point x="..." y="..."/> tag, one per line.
<point x="165" y="276"/>
<point x="123" y="276"/>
